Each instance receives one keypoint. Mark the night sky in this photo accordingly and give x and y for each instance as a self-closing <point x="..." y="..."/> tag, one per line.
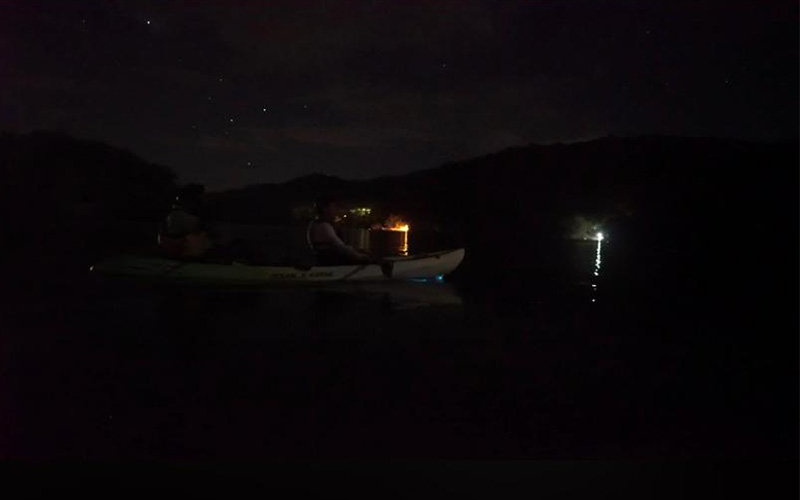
<point x="232" y="93"/>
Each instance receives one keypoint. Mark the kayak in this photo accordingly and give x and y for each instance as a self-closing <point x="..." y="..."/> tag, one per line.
<point x="432" y="265"/>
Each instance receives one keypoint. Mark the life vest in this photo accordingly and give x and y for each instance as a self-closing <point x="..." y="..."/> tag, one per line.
<point x="180" y="236"/>
<point x="191" y="245"/>
<point x="170" y="246"/>
<point x="325" y="253"/>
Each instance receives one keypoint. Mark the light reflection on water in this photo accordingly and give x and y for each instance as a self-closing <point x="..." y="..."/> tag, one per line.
<point x="598" y="260"/>
<point x="379" y="242"/>
<point x="404" y="247"/>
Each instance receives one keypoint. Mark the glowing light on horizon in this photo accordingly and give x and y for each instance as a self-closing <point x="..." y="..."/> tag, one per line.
<point x="403" y="228"/>
<point x="398" y="226"/>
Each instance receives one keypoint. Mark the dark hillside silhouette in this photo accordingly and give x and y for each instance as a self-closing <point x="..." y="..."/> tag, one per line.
<point x="651" y="189"/>
<point x="66" y="202"/>
<point x="69" y="201"/>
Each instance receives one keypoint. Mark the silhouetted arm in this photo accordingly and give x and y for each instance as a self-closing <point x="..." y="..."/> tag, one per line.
<point x="326" y="234"/>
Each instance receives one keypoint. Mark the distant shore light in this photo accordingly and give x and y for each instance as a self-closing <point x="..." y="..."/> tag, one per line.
<point x="599" y="236"/>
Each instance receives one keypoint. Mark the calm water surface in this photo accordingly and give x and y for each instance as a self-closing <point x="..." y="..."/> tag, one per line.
<point x="600" y="351"/>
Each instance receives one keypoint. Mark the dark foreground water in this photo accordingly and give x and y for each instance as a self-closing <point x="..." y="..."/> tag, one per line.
<point x="617" y="354"/>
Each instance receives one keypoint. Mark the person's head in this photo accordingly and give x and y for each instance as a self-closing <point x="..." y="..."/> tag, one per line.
<point x="325" y="206"/>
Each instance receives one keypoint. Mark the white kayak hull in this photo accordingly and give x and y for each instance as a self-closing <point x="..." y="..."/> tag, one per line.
<point x="424" y="266"/>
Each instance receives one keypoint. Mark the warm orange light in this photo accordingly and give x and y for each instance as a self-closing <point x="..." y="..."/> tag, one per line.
<point x="394" y="223"/>
<point x="400" y="227"/>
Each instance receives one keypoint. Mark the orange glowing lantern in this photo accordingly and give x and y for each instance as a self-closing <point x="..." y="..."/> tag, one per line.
<point x="394" y="224"/>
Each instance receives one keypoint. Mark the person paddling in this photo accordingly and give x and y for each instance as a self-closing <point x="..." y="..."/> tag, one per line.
<point x="328" y="247"/>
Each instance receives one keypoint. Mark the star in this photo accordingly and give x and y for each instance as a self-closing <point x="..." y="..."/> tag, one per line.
<point x="249" y="164"/>
<point x="220" y="79"/>
<point x="230" y="120"/>
<point x="264" y="110"/>
<point x="305" y="106"/>
<point x="148" y="22"/>
<point x="209" y="98"/>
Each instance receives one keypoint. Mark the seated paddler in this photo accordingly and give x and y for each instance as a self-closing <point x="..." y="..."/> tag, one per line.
<point x="184" y="232"/>
<point x="325" y="242"/>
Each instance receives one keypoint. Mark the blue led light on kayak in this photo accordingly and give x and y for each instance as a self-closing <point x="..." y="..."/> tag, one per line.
<point x="436" y="279"/>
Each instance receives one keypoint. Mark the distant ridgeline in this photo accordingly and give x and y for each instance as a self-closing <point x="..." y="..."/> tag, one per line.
<point x="59" y="192"/>
<point x="646" y="186"/>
